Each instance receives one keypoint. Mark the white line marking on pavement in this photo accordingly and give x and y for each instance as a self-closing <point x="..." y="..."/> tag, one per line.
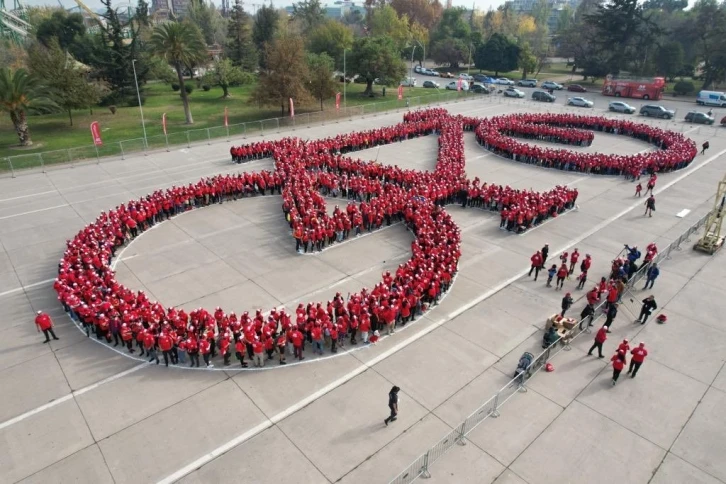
<point x="65" y="398"/>
<point x="22" y="288"/>
<point x="27" y="196"/>
<point x="34" y="211"/>
<point x="205" y="459"/>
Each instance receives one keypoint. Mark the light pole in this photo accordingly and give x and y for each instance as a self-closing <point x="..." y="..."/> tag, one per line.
<point x="138" y="95"/>
<point x="345" y="81"/>
<point x="468" y="67"/>
<point x="423" y="62"/>
<point x="411" y="76"/>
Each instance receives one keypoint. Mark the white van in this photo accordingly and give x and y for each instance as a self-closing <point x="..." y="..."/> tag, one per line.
<point x="409" y="82"/>
<point x="711" y="98"/>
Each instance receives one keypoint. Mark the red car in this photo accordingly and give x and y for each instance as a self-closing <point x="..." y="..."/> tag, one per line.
<point x="576" y="88"/>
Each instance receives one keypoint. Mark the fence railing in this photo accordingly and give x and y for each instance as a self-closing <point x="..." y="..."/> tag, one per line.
<point x="420" y="467"/>
<point x="14" y="165"/>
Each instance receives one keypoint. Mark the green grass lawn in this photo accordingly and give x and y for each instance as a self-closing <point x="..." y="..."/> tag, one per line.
<point x="53" y="132"/>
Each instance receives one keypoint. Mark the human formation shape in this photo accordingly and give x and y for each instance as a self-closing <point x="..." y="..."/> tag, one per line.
<point x="305" y="172"/>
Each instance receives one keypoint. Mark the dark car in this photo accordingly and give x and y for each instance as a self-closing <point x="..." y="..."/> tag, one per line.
<point x="576" y="88"/>
<point x="482" y="78"/>
<point x="543" y="96"/>
<point x="699" y="118"/>
<point x="656" y="111"/>
<point x="479" y="89"/>
<point x="430" y="84"/>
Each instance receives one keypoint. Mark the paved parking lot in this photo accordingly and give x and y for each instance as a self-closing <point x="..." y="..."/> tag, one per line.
<point x="76" y="411"/>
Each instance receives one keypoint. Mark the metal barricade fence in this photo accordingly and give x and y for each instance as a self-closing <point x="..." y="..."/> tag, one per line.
<point x="490" y="409"/>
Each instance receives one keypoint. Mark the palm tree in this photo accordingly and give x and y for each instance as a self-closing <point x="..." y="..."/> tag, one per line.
<point x="180" y="44"/>
<point x="21" y="93"/>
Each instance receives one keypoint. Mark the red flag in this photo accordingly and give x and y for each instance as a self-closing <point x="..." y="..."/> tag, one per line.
<point x="292" y="108"/>
<point x="458" y="85"/>
<point x="96" y="133"/>
<point x="337" y="100"/>
<point x="226" y="117"/>
<point x="163" y="122"/>
<point x="400" y="92"/>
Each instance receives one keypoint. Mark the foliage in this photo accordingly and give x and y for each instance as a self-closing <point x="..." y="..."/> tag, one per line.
<point x="706" y="30"/>
<point x="240" y="49"/>
<point x="181" y="45"/>
<point x="225" y="74"/>
<point x="385" y="22"/>
<point x="376" y="57"/>
<point x="331" y="37"/>
<point x="264" y="29"/>
<point x="452" y="25"/>
<point x="158" y="69"/>
<point x="683" y="87"/>
<point x="61" y="25"/>
<point x="527" y="61"/>
<point x="286" y="74"/>
<point x="65" y="80"/>
<point x="497" y="54"/>
<point x="424" y="12"/>
<point x="175" y="86"/>
<point x="308" y="14"/>
<point x="209" y="20"/>
<point x="665" y="5"/>
<point x="450" y="51"/>
<point x="322" y="84"/>
<point x="188" y="88"/>
<point x="12" y="55"/>
<point x="21" y="93"/>
<point x="669" y="59"/>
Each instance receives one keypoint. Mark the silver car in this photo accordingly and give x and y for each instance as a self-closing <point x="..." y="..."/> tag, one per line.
<point x="580" y="102"/>
<point x="551" y="85"/>
<point x="621" y="107"/>
<point x="512" y="92"/>
<point x="503" y="81"/>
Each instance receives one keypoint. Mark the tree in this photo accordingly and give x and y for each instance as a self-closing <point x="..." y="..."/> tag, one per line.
<point x="62" y="26"/>
<point x="308" y="13"/>
<point x="21" y="93"/>
<point x="707" y="30"/>
<point x="497" y="54"/>
<point x="209" y="20"/>
<point x="452" y="24"/>
<point x="450" y="51"/>
<point x="264" y="29"/>
<point x="669" y="59"/>
<point x="62" y="76"/>
<point x="225" y="74"/>
<point x="376" y="58"/>
<point x="286" y="74"/>
<point x="424" y="12"/>
<point x="331" y="37"/>
<point x="180" y="44"/>
<point x="240" y="49"/>
<point x="385" y="22"/>
<point x="527" y="60"/>
<point x="322" y="85"/>
<point x="12" y="55"/>
<point x="665" y="5"/>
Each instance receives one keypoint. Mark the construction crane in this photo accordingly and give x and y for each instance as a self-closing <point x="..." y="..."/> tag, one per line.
<point x="712" y="239"/>
<point x="12" y="22"/>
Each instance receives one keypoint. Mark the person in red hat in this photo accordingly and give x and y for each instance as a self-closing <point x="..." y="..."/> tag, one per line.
<point x="45" y="324"/>
<point x="562" y="273"/>
<point x="239" y="351"/>
<point x="536" y="266"/>
<point x="600" y="338"/>
<point x="638" y="358"/>
<point x="619" y="362"/>
<point x="165" y="345"/>
<point x="574" y="257"/>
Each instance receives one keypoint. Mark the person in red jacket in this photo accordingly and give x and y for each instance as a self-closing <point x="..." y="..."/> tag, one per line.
<point x="281" y="343"/>
<point x="619" y="362"/>
<point x="297" y="343"/>
<point x="45" y="324"/>
<point x="562" y="273"/>
<point x="239" y="351"/>
<point x="205" y="348"/>
<point x="600" y="338"/>
<point x="165" y="345"/>
<point x="574" y="257"/>
<point x="638" y="358"/>
<point x="150" y="347"/>
<point x="536" y="266"/>
<point x="258" y="348"/>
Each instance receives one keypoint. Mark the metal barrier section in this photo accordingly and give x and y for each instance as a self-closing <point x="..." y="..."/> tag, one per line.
<point x="491" y="408"/>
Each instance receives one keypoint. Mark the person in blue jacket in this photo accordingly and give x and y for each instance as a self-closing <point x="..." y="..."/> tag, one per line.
<point x="651" y="275"/>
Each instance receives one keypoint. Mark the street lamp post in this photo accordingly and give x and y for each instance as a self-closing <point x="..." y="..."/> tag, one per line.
<point x="345" y="81"/>
<point x="423" y="62"/>
<point x="411" y="76"/>
<point x="468" y="67"/>
<point x="141" y="110"/>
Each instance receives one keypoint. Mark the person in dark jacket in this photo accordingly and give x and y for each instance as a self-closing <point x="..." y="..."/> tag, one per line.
<point x="612" y="312"/>
<point x="566" y="304"/>
<point x="550" y="337"/>
<point x="392" y="405"/>
<point x="651" y="275"/>
<point x="588" y="314"/>
<point x="544" y="252"/>
<point x="649" y="305"/>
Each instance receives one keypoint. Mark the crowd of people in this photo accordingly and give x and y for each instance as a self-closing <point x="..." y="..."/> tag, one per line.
<point x="305" y="173"/>
<point x="674" y="150"/>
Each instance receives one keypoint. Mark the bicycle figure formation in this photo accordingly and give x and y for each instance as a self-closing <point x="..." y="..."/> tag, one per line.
<point x="305" y="172"/>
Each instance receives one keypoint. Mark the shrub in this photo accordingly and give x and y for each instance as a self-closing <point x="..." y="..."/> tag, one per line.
<point x="174" y="86"/>
<point x="189" y="88"/>
<point x="683" y="87"/>
<point x="206" y="87"/>
<point x="112" y="109"/>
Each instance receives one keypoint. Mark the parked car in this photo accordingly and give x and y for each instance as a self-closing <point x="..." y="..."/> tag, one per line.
<point x="430" y="84"/>
<point x="447" y="75"/>
<point x="699" y="118"/>
<point x="454" y="85"/>
<point x="409" y="82"/>
<point x="484" y="79"/>
<point x="429" y="72"/>
<point x="417" y="69"/>
<point x="657" y="111"/>
<point x="480" y="89"/>
<point x="621" y="107"/>
<point x="580" y="102"/>
<point x="576" y="88"/>
<point x="465" y="76"/>
<point x="504" y="81"/>
<point x="513" y="92"/>
<point x="551" y="85"/>
<point x="434" y="72"/>
<point x="543" y="96"/>
<point x="527" y="83"/>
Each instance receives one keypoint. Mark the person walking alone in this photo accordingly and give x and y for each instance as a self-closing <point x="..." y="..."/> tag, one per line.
<point x="649" y="206"/>
<point x="545" y="252"/>
<point x="566" y="304"/>
<point x="649" y="305"/>
<point x="651" y="275"/>
<point x="600" y="338"/>
<point x="638" y="358"/>
<point x="610" y="316"/>
<point x="704" y="147"/>
<point x="536" y="266"/>
<point x="45" y="324"/>
<point x="392" y="405"/>
<point x="619" y="362"/>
